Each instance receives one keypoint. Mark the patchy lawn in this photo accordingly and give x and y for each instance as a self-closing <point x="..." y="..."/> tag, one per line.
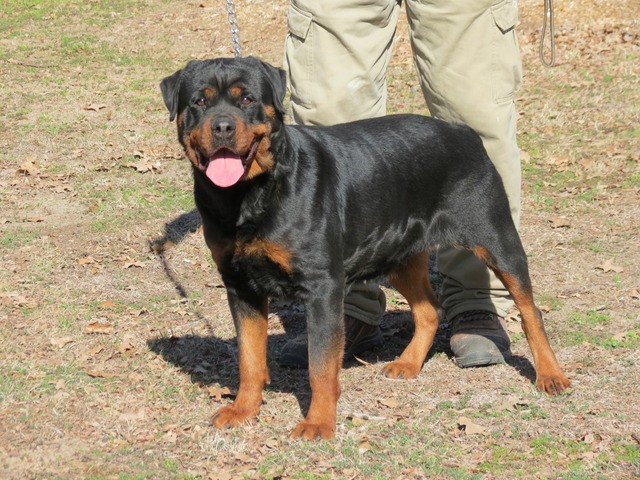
<point x="113" y="359"/>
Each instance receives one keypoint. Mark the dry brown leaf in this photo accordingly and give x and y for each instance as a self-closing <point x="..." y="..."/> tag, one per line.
<point x="217" y="393"/>
<point x="105" y="168"/>
<point x="512" y="403"/>
<point x="559" y="222"/>
<point x="95" y="350"/>
<point x="62" y="189"/>
<point x="620" y="336"/>
<point x="144" y="166"/>
<point x="28" y="167"/>
<point x="127" y="345"/>
<point x="87" y="261"/>
<point x="470" y="427"/>
<point x="95" y="106"/>
<point x="133" y="415"/>
<point x="99" y="327"/>
<point x="170" y="437"/>
<point x="558" y="160"/>
<point x="135" y="377"/>
<point x="389" y="402"/>
<point x="16" y="300"/>
<point x="133" y="265"/>
<point x="608" y="266"/>
<point x="588" y="455"/>
<point x="245" y="471"/>
<point x="514" y="328"/>
<point x="61" y="341"/>
<point x="244" y="458"/>
<point x="272" y="443"/>
<point x="364" y="446"/>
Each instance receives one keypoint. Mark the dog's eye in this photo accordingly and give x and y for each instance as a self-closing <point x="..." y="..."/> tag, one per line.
<point x="201" y="102"/>
<point x="246" y="100"/>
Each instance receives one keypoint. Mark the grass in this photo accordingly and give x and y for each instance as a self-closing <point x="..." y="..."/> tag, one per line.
<point x="591" y="327"/>
<point x="148" y="416"/>
<point x="133" y="196"/>
<point x="590" y="318"/>
<point x="18" y="237"/>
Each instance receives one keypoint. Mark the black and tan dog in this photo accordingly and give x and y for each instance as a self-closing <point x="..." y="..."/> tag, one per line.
<point x="303" y="212"/>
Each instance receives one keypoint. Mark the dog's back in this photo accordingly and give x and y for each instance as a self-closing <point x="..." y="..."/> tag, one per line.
<point x="400" y="185"/>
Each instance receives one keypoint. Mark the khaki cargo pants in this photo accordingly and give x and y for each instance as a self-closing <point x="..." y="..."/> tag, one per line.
<point x="468" y="62"/>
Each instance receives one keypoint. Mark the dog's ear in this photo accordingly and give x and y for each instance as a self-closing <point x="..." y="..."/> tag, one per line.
<point x="170" y="88"/>
<point x="278" y="81"/>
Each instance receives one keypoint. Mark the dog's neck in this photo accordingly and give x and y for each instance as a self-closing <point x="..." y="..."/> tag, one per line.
<point x="238" y="210"/>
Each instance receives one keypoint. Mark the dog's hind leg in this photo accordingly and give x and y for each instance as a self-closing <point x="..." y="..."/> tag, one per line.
<point x="513" y="272"/>
<point x="412" y="281"/>
<point x="250" y="317"/>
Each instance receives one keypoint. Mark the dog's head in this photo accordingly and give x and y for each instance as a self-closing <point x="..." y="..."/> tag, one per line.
<point x="227" y="111"/>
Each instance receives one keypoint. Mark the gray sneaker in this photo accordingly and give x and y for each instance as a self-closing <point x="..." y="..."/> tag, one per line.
<point x="479" y="338"/>
<point x="360" y="337"/>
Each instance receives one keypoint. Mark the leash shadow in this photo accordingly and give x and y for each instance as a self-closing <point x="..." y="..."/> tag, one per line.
<point x="212" y="361"/>
<point x="175" y="232"/>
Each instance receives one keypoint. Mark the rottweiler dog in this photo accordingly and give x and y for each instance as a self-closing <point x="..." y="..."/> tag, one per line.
<point x="304" y="211"/>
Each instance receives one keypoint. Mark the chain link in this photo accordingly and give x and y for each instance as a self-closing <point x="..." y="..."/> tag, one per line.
<point x="233" y="27"/>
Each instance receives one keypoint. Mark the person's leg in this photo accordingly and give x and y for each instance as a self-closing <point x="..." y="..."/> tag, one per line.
<point x="469" y="67"/>
<point x="336" y="58"/>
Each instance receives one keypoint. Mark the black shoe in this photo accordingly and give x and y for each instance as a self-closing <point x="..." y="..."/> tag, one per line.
<point x="360" y="337"/>
<point x="479" y="338"/>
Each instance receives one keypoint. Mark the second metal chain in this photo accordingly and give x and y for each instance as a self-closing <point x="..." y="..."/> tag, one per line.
<point x="233" y="27"/>
<point x="548" y="17"/>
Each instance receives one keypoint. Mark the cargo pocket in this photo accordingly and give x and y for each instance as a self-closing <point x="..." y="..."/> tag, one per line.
<point x="507" y="67"/>
<point x="505" y="15"/>
<point x="299" y="22"/>
<point x="299" y="55"/>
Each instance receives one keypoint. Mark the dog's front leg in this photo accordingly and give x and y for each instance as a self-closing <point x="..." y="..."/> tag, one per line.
<point x="250" y="318"/>
<point x="325" y="325"/>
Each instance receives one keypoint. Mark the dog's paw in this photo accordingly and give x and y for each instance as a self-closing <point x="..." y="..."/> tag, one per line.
<point x="401" y="369"/>
<point x="553" y="384"/>
<point x="314" y="431"/>
<point x="232" y="416"/>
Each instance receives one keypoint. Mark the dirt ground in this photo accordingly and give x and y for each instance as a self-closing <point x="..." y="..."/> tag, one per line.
<point x="114" y="358"/>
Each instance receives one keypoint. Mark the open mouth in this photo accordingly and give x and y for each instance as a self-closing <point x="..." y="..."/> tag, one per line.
<point x="226" y="168"/>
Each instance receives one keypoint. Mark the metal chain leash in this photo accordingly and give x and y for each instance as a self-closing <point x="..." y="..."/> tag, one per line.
<point x="233" y="27"/>
<point x="548" y="17"/>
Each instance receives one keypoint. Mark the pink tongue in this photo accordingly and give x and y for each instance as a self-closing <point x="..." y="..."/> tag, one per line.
<point x="225" y="170"/>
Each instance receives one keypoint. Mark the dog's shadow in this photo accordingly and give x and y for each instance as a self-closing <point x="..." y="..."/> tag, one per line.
<point x="212" y="361"/>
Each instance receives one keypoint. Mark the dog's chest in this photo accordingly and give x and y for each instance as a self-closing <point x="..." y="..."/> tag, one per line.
<point x="262" y="250"/>
<point x="265" y="266"/>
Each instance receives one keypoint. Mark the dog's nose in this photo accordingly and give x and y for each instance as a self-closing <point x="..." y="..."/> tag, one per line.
<point x="223" y="129"/>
